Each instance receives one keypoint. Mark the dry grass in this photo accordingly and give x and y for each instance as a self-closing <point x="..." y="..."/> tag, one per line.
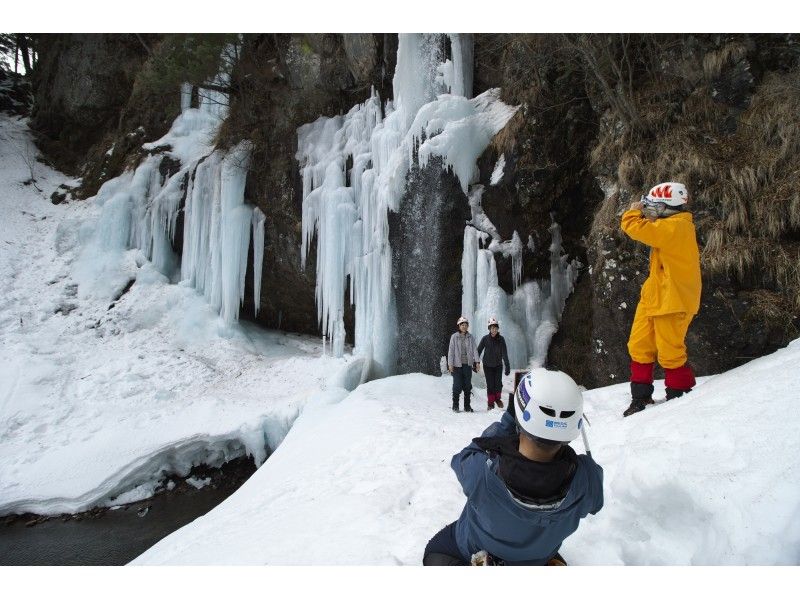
<point x="745" y="181"/>
<point x="715" y="62"/>
<point x="506" y="138"/>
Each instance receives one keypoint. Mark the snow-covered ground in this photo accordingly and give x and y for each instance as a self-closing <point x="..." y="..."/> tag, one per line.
<point x="95" y="401"/>
<point x="710" y="478"/>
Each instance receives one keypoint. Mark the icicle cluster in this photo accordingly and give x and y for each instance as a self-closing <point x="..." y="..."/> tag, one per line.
<point x="140" y="208"/>
<point x="217" y="232"/>
<point x="348" y="214"/>
<point x="529" y="317"/>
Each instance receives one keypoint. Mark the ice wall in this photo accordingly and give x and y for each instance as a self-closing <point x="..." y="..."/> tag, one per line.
<point x="349" y="214"/>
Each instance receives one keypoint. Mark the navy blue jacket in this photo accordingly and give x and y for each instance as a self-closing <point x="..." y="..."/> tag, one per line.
<point x="508" y="528"/>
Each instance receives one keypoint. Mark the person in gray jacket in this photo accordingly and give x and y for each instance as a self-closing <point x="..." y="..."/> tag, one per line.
<point x="462" y="360"/>
<point x="526" y="488"/>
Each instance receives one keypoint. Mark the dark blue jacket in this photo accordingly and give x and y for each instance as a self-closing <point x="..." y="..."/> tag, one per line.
<point x="506" y="527"/>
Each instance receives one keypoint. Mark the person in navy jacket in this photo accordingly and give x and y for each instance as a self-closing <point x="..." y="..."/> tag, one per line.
<point x="526" y="488"/>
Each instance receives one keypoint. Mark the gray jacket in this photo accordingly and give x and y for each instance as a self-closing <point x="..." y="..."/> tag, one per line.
<point x="454" y="351"/>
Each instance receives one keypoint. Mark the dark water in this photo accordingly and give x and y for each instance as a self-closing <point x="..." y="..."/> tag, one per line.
<point x="105" y="537"/>
<point x="426" y="237"/>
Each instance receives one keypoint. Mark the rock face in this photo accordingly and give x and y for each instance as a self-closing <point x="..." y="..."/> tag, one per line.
<point x="82" y="83"/>
<point x="585" y="146"/>
<point x="426" y="238"/>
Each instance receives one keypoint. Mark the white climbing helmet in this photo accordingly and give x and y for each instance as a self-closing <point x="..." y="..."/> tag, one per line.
<point x="549" y="405"/>
<point x="672" y="194"/>
<point x="493" y="322"/>
<point x="462" y="320"/>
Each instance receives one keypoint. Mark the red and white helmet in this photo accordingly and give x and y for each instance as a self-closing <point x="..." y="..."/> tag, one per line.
<point x="493" y="322"/>
<point x="549" y="405"/>
<point x="462" y="320"/>
<point x="672" y="194"/>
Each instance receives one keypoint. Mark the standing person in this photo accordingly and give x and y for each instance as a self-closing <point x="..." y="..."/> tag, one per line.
<point x="495" y="356"/>
<point x="462" y="360"/>
<point x="670" y="296"/>
<point x="526" y="488"/>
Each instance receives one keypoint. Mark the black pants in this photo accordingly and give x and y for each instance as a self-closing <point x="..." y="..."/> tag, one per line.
<point x="442" y="548"/>
<point x="494" y="378"/>
<point x="462" y="380"/>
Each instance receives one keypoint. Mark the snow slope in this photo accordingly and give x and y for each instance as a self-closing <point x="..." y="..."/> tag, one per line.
<point x="710" y="478"/>
<point x="96" y="401"/>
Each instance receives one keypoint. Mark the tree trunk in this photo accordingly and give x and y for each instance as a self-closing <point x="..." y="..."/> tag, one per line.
<point x="22" y="45"/>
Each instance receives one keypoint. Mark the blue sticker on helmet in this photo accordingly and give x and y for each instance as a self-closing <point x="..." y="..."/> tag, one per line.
<point x="526" y="416"/>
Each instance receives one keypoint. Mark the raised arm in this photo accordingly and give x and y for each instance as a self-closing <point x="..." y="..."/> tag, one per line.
<point x="656" y="233"/>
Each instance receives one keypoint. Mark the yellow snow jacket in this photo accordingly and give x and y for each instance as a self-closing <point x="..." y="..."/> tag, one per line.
<point x="674" y="283"/>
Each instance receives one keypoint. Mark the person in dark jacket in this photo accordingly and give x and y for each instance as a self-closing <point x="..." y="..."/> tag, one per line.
<point x="495" y="356"/>
<point x="526" y="488"/>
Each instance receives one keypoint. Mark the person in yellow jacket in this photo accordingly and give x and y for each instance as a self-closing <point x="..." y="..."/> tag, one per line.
<point x="670" y="296"/>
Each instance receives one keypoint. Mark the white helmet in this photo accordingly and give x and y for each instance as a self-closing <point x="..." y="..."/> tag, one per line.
<point x="493" y="322"/>
<point x="549" y="405"/>
<point x="462" y="320"/>
<point x="672" y="194"/>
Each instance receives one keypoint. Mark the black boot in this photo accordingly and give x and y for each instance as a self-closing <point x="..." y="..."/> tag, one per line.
<point x="466" y="402"/>
<point x="642" y="395"/>
<point x="674" y="393"/>
<point x="455" y="404"/>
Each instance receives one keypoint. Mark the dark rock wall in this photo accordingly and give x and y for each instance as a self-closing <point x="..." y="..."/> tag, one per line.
<point x="426" y="237"/>
<point x="82" y="83"/>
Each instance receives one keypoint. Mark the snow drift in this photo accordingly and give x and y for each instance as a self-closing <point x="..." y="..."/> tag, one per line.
<point x="707" y="479"/>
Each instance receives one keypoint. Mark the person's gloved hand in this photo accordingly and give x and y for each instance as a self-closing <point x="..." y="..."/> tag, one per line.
<point x="508" y="371"/>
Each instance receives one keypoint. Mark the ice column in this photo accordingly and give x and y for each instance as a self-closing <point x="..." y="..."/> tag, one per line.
<point x="259" y="219"/>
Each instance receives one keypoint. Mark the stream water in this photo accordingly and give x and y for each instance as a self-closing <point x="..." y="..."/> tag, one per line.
<point x="115" y="537"/>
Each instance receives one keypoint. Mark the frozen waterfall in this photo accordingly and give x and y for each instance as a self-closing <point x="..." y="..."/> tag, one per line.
<point x="350" y="220"/>
<point x="141" y="209"/>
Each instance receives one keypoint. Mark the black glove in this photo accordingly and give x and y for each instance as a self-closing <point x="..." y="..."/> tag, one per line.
<point x="508" y="371"/>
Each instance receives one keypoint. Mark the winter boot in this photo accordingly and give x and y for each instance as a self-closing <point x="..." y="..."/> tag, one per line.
<point x="498" y="401"/>
<point x="642" y="395"/>
<point x="674" y="393"/>
<point x="455" y="404"/>
<point x="557" y="560"/>
<point x="466" y="402"/>
<point x="489" y="405"/>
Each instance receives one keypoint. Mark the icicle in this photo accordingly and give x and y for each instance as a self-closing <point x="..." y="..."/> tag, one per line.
<point x="461" y="45"/>
<point x="235" y="222"/>
<point x="516" y="259"/>
<point x="337" y="344"/>
<point x="469" y="264"/>
<point x="259" y="220"/>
